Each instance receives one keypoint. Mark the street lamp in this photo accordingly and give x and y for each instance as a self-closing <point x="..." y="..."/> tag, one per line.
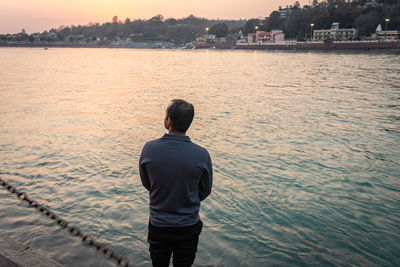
<point x="311" y="36"/>
<point x="256" y="28"/>
<point x="207" y="36"/>
<point x="387" y="20"/>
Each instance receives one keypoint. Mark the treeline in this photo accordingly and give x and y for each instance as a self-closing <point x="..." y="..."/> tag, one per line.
<point x="154" y="29"/>
<point x="364" y="15"/>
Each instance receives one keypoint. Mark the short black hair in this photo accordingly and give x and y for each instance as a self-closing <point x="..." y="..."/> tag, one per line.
<point x="181" y="114"/>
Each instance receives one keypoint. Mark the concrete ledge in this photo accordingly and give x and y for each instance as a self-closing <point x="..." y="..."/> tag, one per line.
<point x="6" y="262"/>
<point x="16" y="254"/>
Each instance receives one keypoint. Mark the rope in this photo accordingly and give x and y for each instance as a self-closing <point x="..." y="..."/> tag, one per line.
<point x="73" y="230"/>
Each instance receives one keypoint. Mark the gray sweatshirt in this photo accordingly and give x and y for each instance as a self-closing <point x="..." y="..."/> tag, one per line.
<point x="178" y="175"/>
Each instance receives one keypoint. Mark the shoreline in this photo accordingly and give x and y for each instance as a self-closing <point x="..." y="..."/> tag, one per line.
<point x="335" y="46"/>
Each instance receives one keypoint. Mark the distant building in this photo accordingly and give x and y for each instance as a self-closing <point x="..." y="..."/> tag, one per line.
<point x="285" y="13"/>
<point x="51" y="35"/>
<point x="385" y="35"/>
<point x="251" y="38"/>
<point x="275" y="37"/>
<point x="136" y="34"/>
<point x="242" y="42"/>
<point x="370" y="4"/>
<point x="388" y="35"/>
<point x="76" y="38"/>
<point x="322" y="4"/>
<point x="116" y="41"/>
<point x="263" y="37"/>
<point x="36" y="36"/>
<point x="201" y="40"/>
<point x="23" y="31"/>
<point x="240" y="35"/>
<point x="335" y="34"/>
<point x="126" y="41"/>
<point x="219" y="40"/>
<point x="209" y="39"/>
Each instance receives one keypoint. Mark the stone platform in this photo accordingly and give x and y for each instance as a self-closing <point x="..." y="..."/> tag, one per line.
<point x="16" y="254"/>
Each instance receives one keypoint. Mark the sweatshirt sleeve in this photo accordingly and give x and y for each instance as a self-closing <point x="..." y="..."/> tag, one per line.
<point x="206" y="180"/>
<point x="143" y="172"/>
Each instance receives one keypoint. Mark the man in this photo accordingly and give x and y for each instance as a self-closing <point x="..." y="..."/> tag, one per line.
<point x="178" y="175"/>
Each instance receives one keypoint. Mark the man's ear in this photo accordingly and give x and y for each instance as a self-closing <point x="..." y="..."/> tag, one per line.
<point x="169" y="123"/>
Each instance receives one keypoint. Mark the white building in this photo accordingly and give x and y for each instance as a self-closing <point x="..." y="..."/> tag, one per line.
<point x="335" y="34"/>
<point x="262" y="38"/>
<point x="386" y="35"/>
<point x="210" y="39"/>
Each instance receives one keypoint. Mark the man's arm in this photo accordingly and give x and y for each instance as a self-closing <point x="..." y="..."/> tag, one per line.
<point x="206" y="181"/>
<point x="143" y="172"/>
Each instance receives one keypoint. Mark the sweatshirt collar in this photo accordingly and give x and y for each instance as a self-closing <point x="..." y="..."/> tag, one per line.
<point x="176" y="137"/>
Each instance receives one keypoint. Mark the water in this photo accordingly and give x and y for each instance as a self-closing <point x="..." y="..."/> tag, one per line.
<point x="305" y="149"/>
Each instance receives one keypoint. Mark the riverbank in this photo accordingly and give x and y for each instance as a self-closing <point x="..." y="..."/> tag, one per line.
<point x="360" y="46"/>
<point x="329" y="46"/>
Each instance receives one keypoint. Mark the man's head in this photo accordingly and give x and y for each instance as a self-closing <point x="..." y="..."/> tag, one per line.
<point x="179" y="116"/>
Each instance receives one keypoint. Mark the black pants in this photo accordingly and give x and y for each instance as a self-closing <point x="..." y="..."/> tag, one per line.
<point x="181" y="242"/>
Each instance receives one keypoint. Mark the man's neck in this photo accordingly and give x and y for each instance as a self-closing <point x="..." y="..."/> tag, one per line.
<point x="176" y="132"/>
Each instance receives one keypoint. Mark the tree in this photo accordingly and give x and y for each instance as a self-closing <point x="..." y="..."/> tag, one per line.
<point x="170" y="21"/>
<point x="181" y="33"/>
<point x="115" y="19"/>
<point x="220" y="30"/>
<point x="250" y="26"/>
<point x="192" y="20"/>
<point x="157" y="18"/>
<point x="156" y="21"/>
<point x="275" y="21"/>
<point x="367" y="23"/>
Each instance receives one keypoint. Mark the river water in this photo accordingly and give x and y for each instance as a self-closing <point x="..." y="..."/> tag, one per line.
<point x="305" y="148"/>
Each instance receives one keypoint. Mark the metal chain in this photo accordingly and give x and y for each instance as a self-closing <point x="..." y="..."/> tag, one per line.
<point x="73" y="230"/>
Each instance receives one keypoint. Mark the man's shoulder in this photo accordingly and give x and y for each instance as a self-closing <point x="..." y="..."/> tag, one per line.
<point x="151" y="143"/>
<point x="200" y="149"/>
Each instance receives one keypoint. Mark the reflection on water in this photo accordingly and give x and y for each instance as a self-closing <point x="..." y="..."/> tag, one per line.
<point x="304" y="147"/>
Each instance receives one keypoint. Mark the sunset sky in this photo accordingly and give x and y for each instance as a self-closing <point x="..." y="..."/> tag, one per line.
<point x="40" y="15"/>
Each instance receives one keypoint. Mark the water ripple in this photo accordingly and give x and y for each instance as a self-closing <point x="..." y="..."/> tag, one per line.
<point x="303" y="146"/>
